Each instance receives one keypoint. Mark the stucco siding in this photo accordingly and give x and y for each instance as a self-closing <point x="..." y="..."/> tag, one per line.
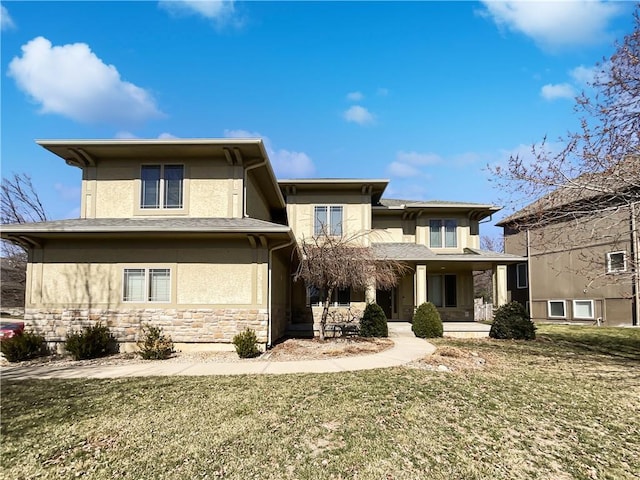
<point x="356" y="212"/>
<point x="256" y="204"/>
<point x="216" y="288"/>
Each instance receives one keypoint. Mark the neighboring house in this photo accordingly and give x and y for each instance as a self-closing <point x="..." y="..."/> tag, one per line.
<point x="582" y="249"/>
<point x="198" y="237"/>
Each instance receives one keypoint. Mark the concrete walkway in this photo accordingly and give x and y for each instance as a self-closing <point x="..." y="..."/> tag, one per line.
<point x="407" y="348"/>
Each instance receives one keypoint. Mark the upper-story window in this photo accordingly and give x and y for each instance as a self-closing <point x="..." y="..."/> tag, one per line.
<point x="616" y="262"/>
<point x="443" y="233"/>
<point x="162" y="186"/>
<point x="327" y="219"/>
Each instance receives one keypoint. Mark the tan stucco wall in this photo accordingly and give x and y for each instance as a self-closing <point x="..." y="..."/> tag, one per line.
<point x="356" y="212"/>
<point x="257" y="206"/>
<point x="203" y="274"/>
<point x="387" y="228"/>
<point x="218" y="289"/>
<point x="280" y="292"/>
<point x="212" y="188"/>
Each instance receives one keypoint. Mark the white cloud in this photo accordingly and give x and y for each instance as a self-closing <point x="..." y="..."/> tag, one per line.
<point x="166" y="136"/>
<point x="558" y="90"/>
<point x="359" y="115"/>
<point x="124" y="135"/>
<point x="584" y="76"/>
<point x="558" y="23"/>
<point x="408" y="164"/>
<point x="355" y="96"/>
<point x="221" y="11"/>
<point x="6" y="22"/>
<point x="286" y="163"/>
<point x="72" y="81"/>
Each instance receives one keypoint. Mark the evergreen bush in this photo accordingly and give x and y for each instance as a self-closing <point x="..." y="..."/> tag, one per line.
<point x="154" y="345"/>
<point x="374" y="322"/>
<point x="91" y="342"/>
<point x="426" y="321"/>
<point x="23" y="346"/>
<point x="511" y="321"/>
<point x="246" y="344"/>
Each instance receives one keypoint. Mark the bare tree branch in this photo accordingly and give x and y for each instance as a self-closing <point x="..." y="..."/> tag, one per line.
<point x="329" y="262"/>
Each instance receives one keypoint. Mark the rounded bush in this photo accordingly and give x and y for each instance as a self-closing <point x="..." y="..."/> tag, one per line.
<point x="374" y="322"/>
<point x="511" y="321"/>
<point x="154" y="345"/>
<point x="246" y="344"/>
<point x="426" y="321"/>
<point x="23" y="346"/>
<point x="91" y="342"/>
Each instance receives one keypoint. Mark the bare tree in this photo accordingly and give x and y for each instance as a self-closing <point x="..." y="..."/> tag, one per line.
<point x="329" y="262"/>
<point x="588" y="190"/>
<point x="20" y="203"/>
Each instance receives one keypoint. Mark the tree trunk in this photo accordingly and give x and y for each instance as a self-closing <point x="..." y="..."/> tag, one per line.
<point x="325" y="311"/>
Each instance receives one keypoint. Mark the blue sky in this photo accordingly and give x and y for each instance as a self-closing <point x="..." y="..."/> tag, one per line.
<point x="425" y="94"/>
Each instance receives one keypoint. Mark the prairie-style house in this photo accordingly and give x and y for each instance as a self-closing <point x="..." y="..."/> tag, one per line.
<point x="581" y="244"/>
<point x="198" y="237"/>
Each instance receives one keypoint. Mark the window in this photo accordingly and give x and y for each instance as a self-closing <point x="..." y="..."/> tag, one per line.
<point x="521" y="275"/>
<point x="327" y="219"/>
<point x="556" y="308"/>
<point x="583" y="309"/>
<point x="443" y="229"/>
<point x="616" y="262"/>
<point x="146" y="285"/>
<point x="341" y="297"/>
<point x="162" y="186"/>
<point x="442" y="290"/>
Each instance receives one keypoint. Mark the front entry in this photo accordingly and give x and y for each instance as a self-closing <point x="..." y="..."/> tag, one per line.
<point x="384" y="298"/>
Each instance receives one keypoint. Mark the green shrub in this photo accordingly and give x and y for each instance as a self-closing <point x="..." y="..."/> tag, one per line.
<point x="91" y="342"/>
<point x="374" y="322"/>
<point x="23" y="346"/>
<point x="154" y="345"/>
<point x="511" y="321"/>
<point x="246" y="344"/>
<point x="426" y="321"/>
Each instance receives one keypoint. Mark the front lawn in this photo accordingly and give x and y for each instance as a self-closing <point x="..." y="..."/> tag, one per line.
<point x="565" y="406"/>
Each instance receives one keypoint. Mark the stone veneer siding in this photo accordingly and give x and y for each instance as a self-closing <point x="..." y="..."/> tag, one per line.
<point x="197" y="325"/>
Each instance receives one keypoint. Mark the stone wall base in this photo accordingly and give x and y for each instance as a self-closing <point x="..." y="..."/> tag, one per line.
<point x="184" y="326"/>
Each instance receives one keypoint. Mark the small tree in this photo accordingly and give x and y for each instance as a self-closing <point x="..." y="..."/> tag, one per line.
<point x="511" y="321"/>
<point x="20" y="203"/>
<point x="426" y="321"/>
<point x="329" y="262"/>
<point x="374" y="322"/>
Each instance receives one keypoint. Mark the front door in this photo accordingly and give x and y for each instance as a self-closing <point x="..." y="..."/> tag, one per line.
<point x="384" y="299"/>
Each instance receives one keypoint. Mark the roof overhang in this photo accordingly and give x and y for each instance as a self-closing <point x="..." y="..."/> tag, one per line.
<point x="35" y="234"/>
<point x="245" y="152"/>
<point x="474" y="211"/>
<point x="364" y="186"/>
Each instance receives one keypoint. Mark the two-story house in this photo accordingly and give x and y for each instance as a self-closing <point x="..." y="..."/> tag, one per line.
<point x="581" y="243"/>
<point x="198" y="237"/>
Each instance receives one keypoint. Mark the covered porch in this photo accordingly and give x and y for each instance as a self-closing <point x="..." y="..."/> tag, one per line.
<point x="446" y="280"/>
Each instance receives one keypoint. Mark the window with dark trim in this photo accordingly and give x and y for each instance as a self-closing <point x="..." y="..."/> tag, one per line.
<point x="521" y="275"/>
<point x="341" y="297"/>
<point x="443" y="232"/>
<point x="442" y="290"/>
<point x="162" y="186"/>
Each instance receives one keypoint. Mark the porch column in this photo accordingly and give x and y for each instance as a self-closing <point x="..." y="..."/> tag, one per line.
<point x="499" y="280"/>
<point x="420" y="285"/>
<point x="370" y="292"/>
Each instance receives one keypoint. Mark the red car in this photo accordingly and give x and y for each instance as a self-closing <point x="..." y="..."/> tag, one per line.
<point x="10" y="329"/>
